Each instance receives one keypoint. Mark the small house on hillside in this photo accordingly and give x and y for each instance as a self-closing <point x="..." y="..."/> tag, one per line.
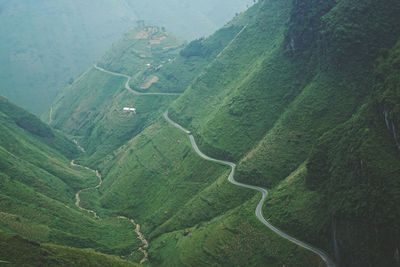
<point x="129" y="110"/>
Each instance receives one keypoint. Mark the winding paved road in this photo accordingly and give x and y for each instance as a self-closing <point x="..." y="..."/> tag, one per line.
<point x="329" y="262"/>
<point x="259" y="214"/>
<point x="128" y="87"/>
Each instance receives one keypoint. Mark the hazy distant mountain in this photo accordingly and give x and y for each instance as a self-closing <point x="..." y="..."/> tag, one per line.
<point x="46" y="43"/>
<point x="188" y="19"/>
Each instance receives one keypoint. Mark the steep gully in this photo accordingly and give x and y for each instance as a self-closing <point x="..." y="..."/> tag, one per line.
<point x="264" y="192"/>
<point x="140" y="236"/>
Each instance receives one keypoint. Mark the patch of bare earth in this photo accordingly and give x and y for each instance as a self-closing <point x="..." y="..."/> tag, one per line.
<point x="149" y="82"/>
<point x="157" y="40"/>
<point x="142" y="35"/>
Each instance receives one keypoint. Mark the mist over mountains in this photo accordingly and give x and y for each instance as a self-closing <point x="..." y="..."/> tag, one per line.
<point x="273" y="141"/>
<point x="46" y="44"/>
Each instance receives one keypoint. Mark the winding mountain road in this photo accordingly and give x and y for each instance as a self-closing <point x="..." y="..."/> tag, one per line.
<point x="128" y="87"/>
<point x="328" y="262"/>
<point x="264" y="192"/>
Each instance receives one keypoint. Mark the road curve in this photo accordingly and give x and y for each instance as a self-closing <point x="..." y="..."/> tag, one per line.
<point x="327" y="260"/>
<point x="128" y="80"/>
<point x="259" y="214"/>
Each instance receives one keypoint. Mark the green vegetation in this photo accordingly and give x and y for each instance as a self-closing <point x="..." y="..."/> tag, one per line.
<point x="355" y="167"/>
<point x="38" y="186"/>
<point x="16" y="251"/>
<point x="237" y="100"/>
<point x="91" y="109"/>
<point x="233" y="239"/>
<point x="303" y="95"/>
<point x="145" y="45"/>
<point x="163" y="190"/>
<point x="289" y="102"/>
<point x="178" y="74"/>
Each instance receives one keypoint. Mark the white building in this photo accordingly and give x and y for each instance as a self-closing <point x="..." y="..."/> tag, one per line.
<point x="130" y="110"/>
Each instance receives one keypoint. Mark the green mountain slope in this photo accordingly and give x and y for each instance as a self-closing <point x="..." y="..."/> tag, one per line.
<point x="362" y="157"/>
<point x="303" y="96"/>
<point x="91" y="108"/>
<point x="16" y="251"/>
<point x="37" y="196"/>
<point x="185" y="198"/>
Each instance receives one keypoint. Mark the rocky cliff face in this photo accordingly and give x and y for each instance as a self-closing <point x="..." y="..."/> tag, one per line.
<point x="355" y="166"/>
<point x="304" y="29"/>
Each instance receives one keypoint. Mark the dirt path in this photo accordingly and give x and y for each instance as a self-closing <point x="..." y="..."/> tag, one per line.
<point x="51" y="116"/>
<point x="232" y="41"/>
<point x="79" y="146"/>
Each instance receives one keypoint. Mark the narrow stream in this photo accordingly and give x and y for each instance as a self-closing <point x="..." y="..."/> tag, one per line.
<point x="145" y="244"/>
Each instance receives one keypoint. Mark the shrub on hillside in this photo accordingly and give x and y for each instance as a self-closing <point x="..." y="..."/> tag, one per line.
<point x="196" y="49"/>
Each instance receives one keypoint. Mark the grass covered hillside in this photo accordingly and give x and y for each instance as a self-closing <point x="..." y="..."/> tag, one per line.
<point x="302" y="95"/>
<point x="91" y="109"/>
<point x="324" y="74"/>
<point x="16" y="251"/>
<point x="146" y="46"/>
<point x="37" y="197"/>
<point x="156" y="176"/>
